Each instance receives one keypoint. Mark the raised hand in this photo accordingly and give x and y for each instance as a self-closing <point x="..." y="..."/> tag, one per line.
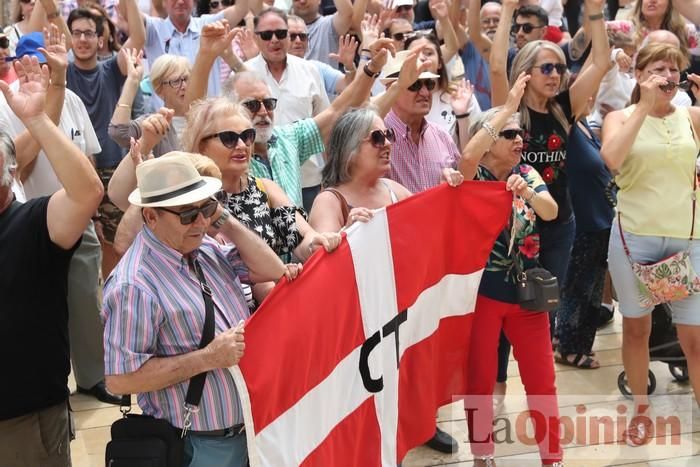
<point x="216" y="37"/>
<point x="386" y="16"/>
<point x="380" y="50"/>
<point x="347" y="46"/>
<point x="154" y="128"/>
<point x="28" y="101"/>
<point x="695" y="85"/>
<point x="462" y="97"/>
<point x="649" y="89"/>
<point x="246" y="41"/>
<point x="370" y="30"/>
<point x="439" y="9"/>
<point x="135" y="152"/>
<point x="516" y="92"/>
<point x="624" y="62"/>
<point x="55" y="49"/>
<point x="134" y="65"/>
<point x="594" y="6"/>
<point x="411" y="68"/>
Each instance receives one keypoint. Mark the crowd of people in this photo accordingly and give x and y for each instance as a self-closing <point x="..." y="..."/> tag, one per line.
<point x="154" y="153"/>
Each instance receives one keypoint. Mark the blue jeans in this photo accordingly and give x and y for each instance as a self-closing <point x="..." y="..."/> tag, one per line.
<point x="556" y="241"/>
<point x="219" y="451"/>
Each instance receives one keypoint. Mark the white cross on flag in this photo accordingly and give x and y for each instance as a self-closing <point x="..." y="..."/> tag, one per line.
<point x="347" y="365"/>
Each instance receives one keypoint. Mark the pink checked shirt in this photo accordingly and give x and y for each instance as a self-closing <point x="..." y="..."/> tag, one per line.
<point x="419" y="167"/>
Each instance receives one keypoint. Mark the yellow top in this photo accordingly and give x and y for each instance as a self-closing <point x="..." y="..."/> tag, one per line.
<point x="656" y="178"/>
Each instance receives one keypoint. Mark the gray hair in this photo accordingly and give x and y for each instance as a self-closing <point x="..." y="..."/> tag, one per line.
<point x="7" y="152"/>
<point x="486" y="116"/>
<point x="246" y="76"/>
<point x="346" y="137"/>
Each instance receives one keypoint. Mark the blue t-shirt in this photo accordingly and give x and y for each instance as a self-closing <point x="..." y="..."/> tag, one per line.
<point x="99" y="89"/>
<point x="588" y="177"/>
<point x="476" y="70"/>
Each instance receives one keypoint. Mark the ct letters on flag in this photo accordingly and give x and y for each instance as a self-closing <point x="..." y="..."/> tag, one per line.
<point x="347" y="365"/>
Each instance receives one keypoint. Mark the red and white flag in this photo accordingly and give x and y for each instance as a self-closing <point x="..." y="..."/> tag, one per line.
<point x="347" y="365"/>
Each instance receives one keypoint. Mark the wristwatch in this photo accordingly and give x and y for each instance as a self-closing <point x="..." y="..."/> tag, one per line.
<point x="222" y="219"/>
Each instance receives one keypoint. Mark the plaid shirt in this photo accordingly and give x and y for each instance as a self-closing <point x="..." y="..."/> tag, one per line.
<point x="290" y="146"/>
<point x="419" y="167"/>
<point x="153" y="307"/>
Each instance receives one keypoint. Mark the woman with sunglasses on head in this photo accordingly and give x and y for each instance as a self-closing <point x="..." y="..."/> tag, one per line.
<point x="494" y="154"/>
<point x="547" y="111"/>
<point x="653" y="146"/>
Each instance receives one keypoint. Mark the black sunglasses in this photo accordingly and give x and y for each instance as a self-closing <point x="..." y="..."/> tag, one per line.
<point x="526" y="27"/>
<point x="190" y="215"/>
<point x="302" y="36"/>
<point x="215" y="3"/>
<point x="511" y="134"/>
<point x="378" y="138"/>
<point x="428" y="83"/>
<point x="548" y="68"/>
<point x="683" y="85"/>
<point x="254" y="105"/>
<point x="230" y="138"/>
<point x="267" y="35"/>
<point x="4" y="42"/>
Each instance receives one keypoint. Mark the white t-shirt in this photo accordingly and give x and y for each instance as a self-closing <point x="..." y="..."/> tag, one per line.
<point x="441" y="113"/>
<point x="75" y="123"/>
<point x="555" y="10"/>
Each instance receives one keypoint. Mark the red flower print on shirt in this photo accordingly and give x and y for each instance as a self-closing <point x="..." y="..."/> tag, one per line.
<point x="548" y="174"/>
<point x="530" y="246"/>
<point x="553" y="142"/>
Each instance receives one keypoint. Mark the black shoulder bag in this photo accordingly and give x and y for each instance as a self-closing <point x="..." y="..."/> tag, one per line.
<point x="537" y="288"/>
<point x="141" y="440"/>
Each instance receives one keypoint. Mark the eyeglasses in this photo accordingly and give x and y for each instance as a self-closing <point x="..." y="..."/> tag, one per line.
<point x="254" y="105"/>
<point x="428" y="83"/>
<point x="511" y="134"/>
<point x="190" y="215"/>
<point x="378" y="138"/>
<point x="402" y="36"/>
<point x="214" y="4"/>
<point x="4" y="42"/>
<point x="177" y="82"/>
<point x="77" y="34"/>
<point x="302" y="36"/>
<point x="548" y="68"/>
<point x="526" y="27"/>
<point x="683" y="85"/>
<point x="267" y="35"/>
<point x="230" y="138"/>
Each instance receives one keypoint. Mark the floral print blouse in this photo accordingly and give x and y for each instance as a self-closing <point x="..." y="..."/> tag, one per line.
<point x="498" y="281"/>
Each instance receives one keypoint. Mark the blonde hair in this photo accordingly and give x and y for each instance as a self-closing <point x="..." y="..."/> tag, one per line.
<point x="165" y="66"/>
<point x="524" y="62"/>
<point x="653" y="53"/>
<point x="672" y="21"/>
<point x="202" y="117"/>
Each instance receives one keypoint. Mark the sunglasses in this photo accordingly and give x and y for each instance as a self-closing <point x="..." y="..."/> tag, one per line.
<point x="548" y="68"/>
<point x="302" y="36"/>
<point x="267" y="35"/>
<point x="190" y="215"/>
<point x="526" y="27"/>
<point x="215" y="3"/>
<point x="26" y="1"/>
<point x="254" y="105"/>
<point x="402" y="36"/>
<point x="428" y="83"/>
<point x="378" y="138"/>
<point x="683" y="85"/>
<point x="4" y="42"/>
<point x="230" y="138"/>
<point x="511" y="134"/>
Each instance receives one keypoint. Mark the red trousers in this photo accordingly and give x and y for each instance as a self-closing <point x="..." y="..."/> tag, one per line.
<point x="528" y="333"/>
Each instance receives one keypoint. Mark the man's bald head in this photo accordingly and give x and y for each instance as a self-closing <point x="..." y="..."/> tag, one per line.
<point x="662" y="36"/>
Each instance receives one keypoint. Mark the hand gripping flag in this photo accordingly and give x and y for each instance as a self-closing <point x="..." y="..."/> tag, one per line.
<point x="347" y="365"/>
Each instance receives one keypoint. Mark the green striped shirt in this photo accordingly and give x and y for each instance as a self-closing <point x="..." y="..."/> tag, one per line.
<point x="290" y="146"/>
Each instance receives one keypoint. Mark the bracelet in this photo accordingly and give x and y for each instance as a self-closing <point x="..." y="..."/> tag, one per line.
<point x="222" y="219"/>
<point x="532" y="196"/>
<point x="596" y="17"/>
<point x="366" y="50"/>
<point x="464" y="115"/>
<point x="369" y="72"/>
<point x="490" y="130"/>
<point x="126" y="106"/>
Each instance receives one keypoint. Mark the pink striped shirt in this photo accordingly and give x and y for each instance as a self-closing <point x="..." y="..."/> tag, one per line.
<point x="419" y="167"/>
<point x="153" y="307"/>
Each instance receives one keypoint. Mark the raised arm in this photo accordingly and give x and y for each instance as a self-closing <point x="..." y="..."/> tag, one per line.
<point x="215" y="37"/>
<point x="688" y="8"/>
<point x="235" y="13"/>
<point x="498" y="59"/>
<point x="71" y="208"/>
<point x="410" y="70"/>
<point x="137" y="32"/>
<point x="359" y="9"/>
<point x="119" y="126"/>
<point x="342" y="18"/>
<point x="482" y="141"/>
<point x="441" y="13"/>
<point x="589" y="79"/>
<point x="476" y="35"/>
<point x="53" y="16"/>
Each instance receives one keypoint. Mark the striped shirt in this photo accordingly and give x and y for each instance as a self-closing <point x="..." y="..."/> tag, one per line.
<point x="419" y="167"/>
<point x="153" y="307"/>
<point x="290" y="146"/>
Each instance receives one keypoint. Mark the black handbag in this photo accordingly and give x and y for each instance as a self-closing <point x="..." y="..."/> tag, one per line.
<point x="537" y="288"/>
<point x="144" y="441"/>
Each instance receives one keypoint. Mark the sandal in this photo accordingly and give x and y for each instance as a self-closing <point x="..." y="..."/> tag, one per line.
<point x="637" y="435"/>
<point x="580" y="360"/>
<point x="487" y="461"/>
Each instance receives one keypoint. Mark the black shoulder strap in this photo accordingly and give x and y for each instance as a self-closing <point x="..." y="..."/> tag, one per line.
<point x="196" y="385"/>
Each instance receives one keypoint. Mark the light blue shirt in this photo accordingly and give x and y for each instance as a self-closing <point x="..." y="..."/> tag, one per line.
<point x="330" y="77"/>
<point x="162" y="37"/>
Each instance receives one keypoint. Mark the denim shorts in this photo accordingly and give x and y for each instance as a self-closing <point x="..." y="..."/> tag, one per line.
<point x="647" y="249"/>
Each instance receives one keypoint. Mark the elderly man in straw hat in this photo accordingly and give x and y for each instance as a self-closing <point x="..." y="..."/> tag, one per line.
<point x="155" y="305"/>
